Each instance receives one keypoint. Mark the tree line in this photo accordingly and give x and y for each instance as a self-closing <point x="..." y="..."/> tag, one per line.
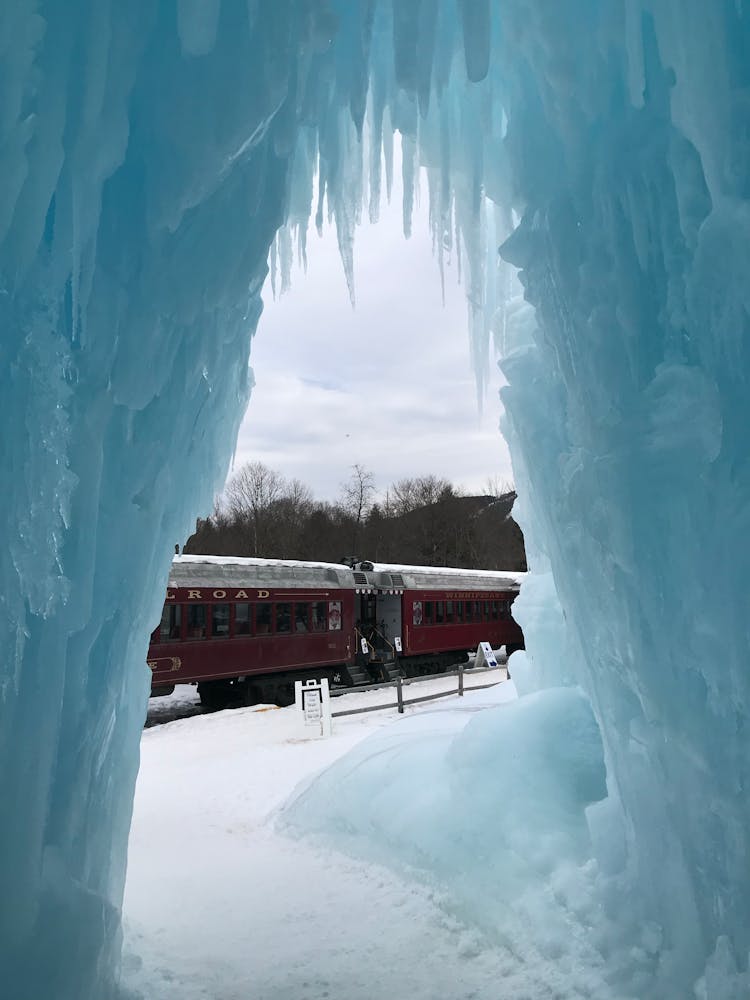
<point x="422" y="520"/>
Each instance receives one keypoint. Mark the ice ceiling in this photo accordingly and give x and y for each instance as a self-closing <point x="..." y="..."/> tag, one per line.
<point x="150" y="153"/>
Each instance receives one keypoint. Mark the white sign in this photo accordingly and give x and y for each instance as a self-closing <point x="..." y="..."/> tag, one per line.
<point x="397" y="644"/>
<point x="365" y="647"/>
<point x="313" y="700"/>
<point x="485" y="655"/>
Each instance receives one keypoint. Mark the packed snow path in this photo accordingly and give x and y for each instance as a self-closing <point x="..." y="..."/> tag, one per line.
<point x="219" y="905"/>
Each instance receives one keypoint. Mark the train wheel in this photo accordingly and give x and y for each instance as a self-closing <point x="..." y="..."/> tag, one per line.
<point x="252" y="694"/>
<point x="284" y="695"/>
<point x="215" y="695"/>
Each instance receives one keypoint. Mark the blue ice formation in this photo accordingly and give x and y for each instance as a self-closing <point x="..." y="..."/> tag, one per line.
<point x="489" y="804"/>
<point x="152" y="153"/>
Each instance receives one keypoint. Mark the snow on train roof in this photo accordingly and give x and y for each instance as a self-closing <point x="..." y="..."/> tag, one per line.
<point x="439" y="577"/>
<point x="237" y="571"/>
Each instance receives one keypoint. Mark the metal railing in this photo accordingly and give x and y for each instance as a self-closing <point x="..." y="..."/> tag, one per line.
<point x="371" y="647"/>
<point x="400" y="683"/>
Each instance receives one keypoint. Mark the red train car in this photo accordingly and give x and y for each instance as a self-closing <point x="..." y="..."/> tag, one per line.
<point x="438" y="612"/>
<point x="246" y="629"/>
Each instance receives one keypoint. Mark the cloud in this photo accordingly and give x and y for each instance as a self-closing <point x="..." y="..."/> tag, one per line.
<point x="388" y="384"/>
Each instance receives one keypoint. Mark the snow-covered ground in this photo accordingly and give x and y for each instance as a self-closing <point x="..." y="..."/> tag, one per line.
<point x="220" y="904"/>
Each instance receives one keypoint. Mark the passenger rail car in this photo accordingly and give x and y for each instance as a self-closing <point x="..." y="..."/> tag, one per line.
<point x="245" y="630"/>
<point x="441" y="612"/>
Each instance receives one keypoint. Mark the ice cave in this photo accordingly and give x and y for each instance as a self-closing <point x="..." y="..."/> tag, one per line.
<point x="590" y="159"/>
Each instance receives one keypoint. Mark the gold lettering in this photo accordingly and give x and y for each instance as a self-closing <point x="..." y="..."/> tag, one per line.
<point x="241" y="594"/>
<point x="220" y="593"/>
<point x="263" y="593"/>
<point x="194" y="595"/>
<point x="170" y="595"/>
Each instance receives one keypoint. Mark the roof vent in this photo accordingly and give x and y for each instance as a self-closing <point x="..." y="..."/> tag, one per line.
<point x="360" y="579"/>
<point x="397" y="580"/>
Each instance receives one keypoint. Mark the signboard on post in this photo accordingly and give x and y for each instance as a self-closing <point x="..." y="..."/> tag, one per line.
<point x="485" y="655"/>
<point x="313" y="699"/>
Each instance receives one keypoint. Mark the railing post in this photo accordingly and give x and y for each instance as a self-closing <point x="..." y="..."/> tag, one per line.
<point x="400" y="695"/>
<point x="460" y="680"/>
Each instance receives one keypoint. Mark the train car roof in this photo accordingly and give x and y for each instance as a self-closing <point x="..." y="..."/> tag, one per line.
<point x="236" y="571"/>
<point x="239" y="571"/>
<point x="443" y="577"/>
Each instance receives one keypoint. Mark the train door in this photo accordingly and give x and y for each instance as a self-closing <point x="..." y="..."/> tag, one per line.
<point x="389" y="616"/>
<point x="367" y="616"/>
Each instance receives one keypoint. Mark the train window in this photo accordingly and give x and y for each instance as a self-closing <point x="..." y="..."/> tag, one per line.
<point x="283" y="618"/>
<point x="319" y="617"/>
<point x="300" y="617"/>
<point x="449" y="611"/>
<point x="262" y="619"/>
<point x="459" y="611"/>
<point x="467" y="610"/>
<point x="242" y="622"/>
<point x="494" y="610"/>
<point x="171" y="622"/>
<point x="477" y="611"/>
<point x="416" y="613"/>
<point x="428" y="612"/>
<point x="196" y="621"/>
<point x="334" y="616"/>
<point x="439" y="613"/>
<point x="220" y="621"/>
<point x="486" y="611"/>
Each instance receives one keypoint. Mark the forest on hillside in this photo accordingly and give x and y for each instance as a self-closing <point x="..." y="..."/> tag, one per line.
<point x="424" y="520"/>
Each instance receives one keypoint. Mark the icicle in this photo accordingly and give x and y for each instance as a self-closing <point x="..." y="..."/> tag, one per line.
<point x="272" y="265"/>
<point x="345" y="239"/>
<point x="388" y="154"/>
<point x="285" y="254"/>
<point x="475" y="20"/>
<point x="375" y="136"/>
<point x="408" y="159"/>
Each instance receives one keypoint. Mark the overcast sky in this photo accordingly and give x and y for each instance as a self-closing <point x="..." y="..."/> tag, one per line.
<point x="388" y="384"/>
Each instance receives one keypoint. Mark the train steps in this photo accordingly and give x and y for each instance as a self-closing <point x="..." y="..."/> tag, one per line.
<point x="392" y="669"/>
<point x="359" y="675"/>
<point x="366" y="675"/>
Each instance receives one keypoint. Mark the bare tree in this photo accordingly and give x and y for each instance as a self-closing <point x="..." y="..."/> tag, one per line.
<point x="356" y="499"/>
<point x="291" y="514"/>
<point x="494" y="486"/>
<point x="250" y="496"/>
<point x="419" y="491"/>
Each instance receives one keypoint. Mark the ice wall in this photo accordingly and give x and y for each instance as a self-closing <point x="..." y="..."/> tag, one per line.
<point x="149" y="153"/>
<point x="144" y="151"/>
<point x="635" y="470"/>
